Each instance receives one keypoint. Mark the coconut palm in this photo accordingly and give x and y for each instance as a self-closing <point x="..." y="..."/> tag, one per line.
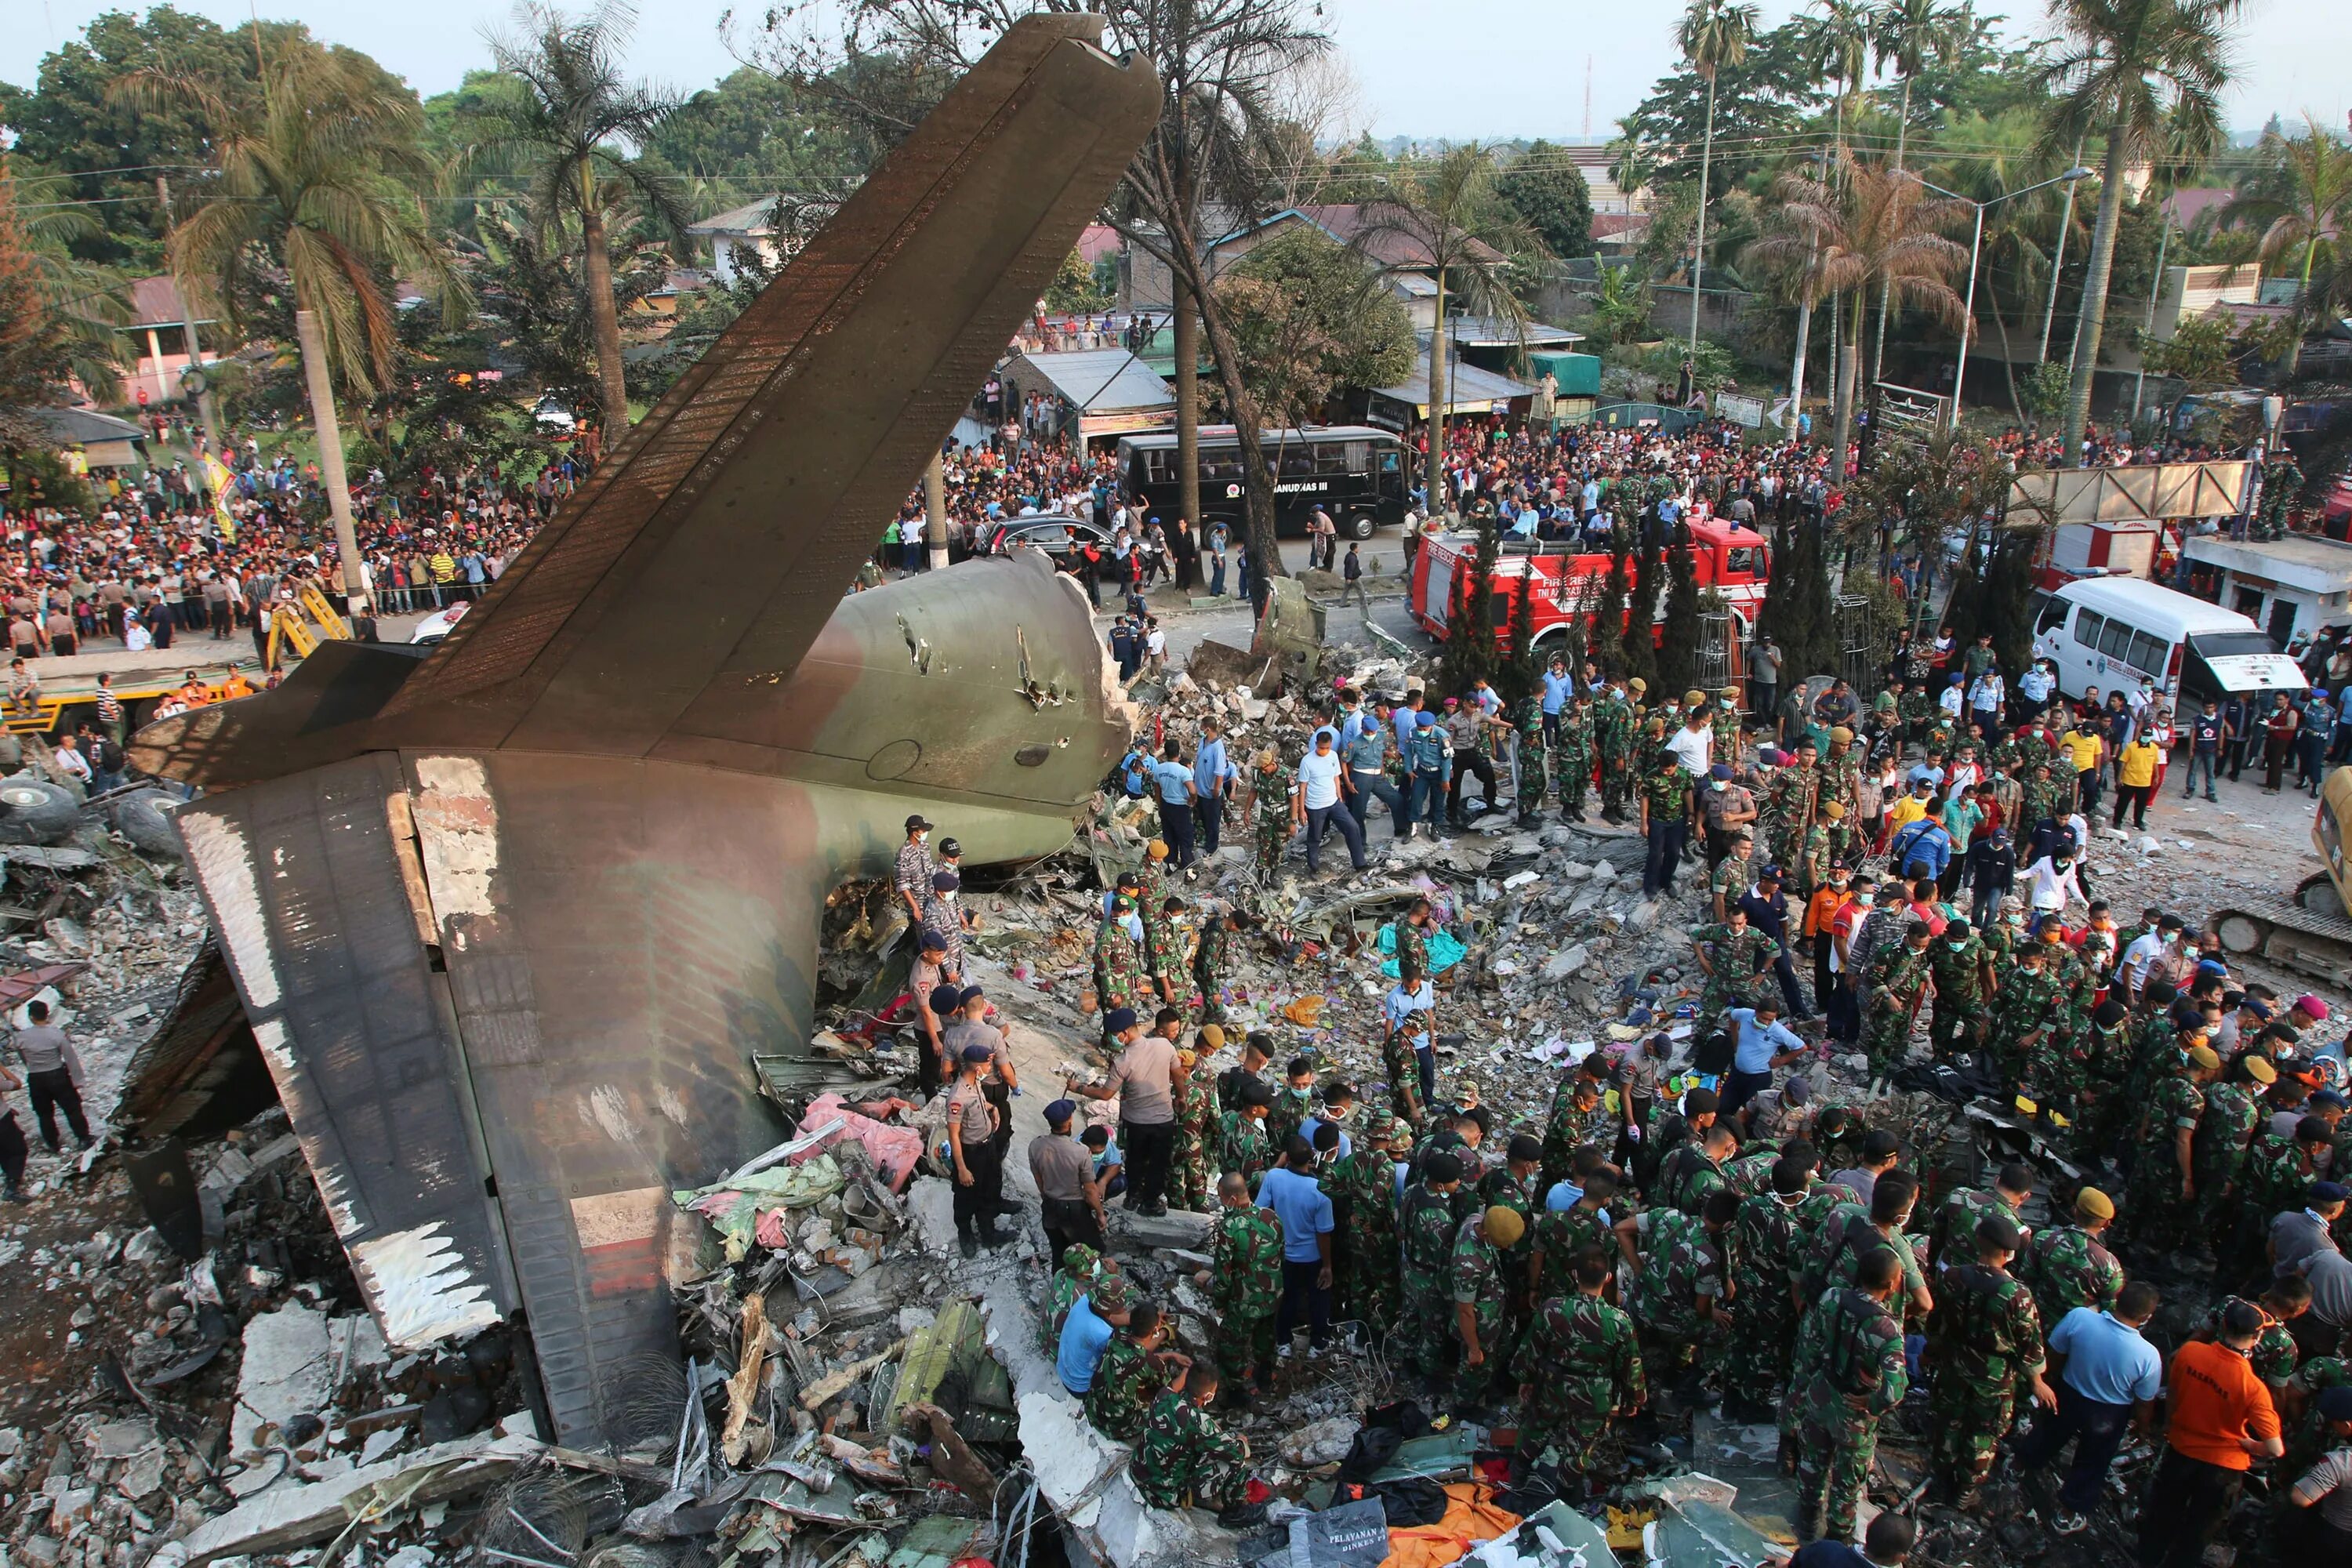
<point x="1443" y="216"/>
<point x="86" y="304"/>
<point x="1984" y="159"/>
<point x="1907" y="34"/>
<point x="573" y="127"/>
<point x="2148" y="76"/>
<point x="2317" y="205"/>
<point x="1712" y="35"/>
<point x="1833" y="236"/>
<point x="313" y="178"/>
<point x="1838" y="43"/>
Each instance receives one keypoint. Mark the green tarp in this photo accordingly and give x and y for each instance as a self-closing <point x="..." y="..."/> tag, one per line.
<point x="1578" y="376"/>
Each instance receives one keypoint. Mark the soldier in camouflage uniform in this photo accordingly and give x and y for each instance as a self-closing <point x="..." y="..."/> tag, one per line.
<point x="1738" y="959"/>
<point x="2024" y="1013"/>
<point x="1694" y="1173"/>
<point x="1579" y="1367"/>
<point x="2067" y="1265"/>
<point x="1984" y="1350"/>
<point x="2233" y="1112"/>
<point x="2307" y="1438"/>
<point x="2047" y="800"/>
<point x="2163" y="1187"/>
<point x="1120" y="979"/>
<point x="1191" y="1182"/>
<point x="2088" y="1083"/>
<point x="1171" y="943"/>
<point x="1482" y="1299"/>
<point x="1765" y="1237"/>
<point x="1245" y="1284"/>
<point x="1534" y="758"/>
<point x="1899" y="978"/>
<point x="1733" y="875"/>
<point x="1859" y="1376"/>
<point x="2275" y="1354"/>
<point x="1128" y="1377"/>
<point x="1362" y="1184"/>
<point x="1682" y="1279"/>
<point x="1790" y="809"/>
<point x="2279" y="1172"/>
<point x="1575" y="1119"/>
<point x="1571" y="758"/>
<point x="1917" y="710"/>
<point x="1082" y="1270"/>
<point x="1425" y="1233"/>
<point x="1212" y="958"/>
<point x="1151" y="903"/>
<point x="1613" y="730"/>
<point x="1842" y="773"/>
<point x="1950" y="1234"/>
<point x="1559" y="1236"/>
<point x="1962" y="971"/>
<point x="1270" y="814"/>
<point x="1243" y="1147"/>
<point x="1183" y="1456"/>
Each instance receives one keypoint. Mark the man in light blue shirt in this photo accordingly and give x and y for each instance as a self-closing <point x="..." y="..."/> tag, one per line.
<point x="1173" y="780"/>
<point x="1092" y="1319"/>
<point x="1368" y="755"/>
<point x="1298" y="1201"/>
<point x="2110" y="1373"/>
<point x="1213" y="780"/>
<point x="1404" y="720"/>
<point x="1763" y="1045"/>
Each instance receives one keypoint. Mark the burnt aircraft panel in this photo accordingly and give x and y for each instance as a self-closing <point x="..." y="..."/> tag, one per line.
<point x="302" y="881"/>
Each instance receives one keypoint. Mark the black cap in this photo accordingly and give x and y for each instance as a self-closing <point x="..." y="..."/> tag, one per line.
<point x="950" y="848"/>
<point x="1442" y="1166"/>
<point x="917" y="821"/>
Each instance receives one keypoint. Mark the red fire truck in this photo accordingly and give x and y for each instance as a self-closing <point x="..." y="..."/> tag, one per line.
<point x="1733" y="561"/>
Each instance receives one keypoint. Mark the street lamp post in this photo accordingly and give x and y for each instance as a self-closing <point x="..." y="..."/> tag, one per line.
<point x="1976" y="248"/>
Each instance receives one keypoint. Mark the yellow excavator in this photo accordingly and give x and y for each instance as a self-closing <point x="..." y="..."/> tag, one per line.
<point x="2308" y="932"/>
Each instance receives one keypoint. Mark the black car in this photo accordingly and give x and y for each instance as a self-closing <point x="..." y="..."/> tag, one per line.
<point x="1059" y="537"/>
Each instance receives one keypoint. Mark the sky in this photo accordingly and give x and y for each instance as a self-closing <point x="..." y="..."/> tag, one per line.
<point x="1467" y="69"/>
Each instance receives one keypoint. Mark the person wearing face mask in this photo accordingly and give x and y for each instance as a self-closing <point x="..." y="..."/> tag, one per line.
<point x="912" y="879"/>
<point x="1853" y="934"/>
<point x="1409" y="1050"/>
<point x="1120" y="985"/>
<point x="1724" y="807"/>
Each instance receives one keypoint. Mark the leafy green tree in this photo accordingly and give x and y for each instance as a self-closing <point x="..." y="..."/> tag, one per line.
<point x="1074" y="288"/>
<point x="1907" y="34"/>
<point x="571" y="131"/>
<point x="1309" y="318"/>
<point x="314" y="178"/>
<point x="31" y="335"/>
<point x="1448" y="211"/>
<point x="1472" y="651"/>
<point x="1548" y="193"/>
<point x="1621" y="303"/>
<point x="2314" y="210"/>
<point x="82" y="305"/>
<point x="2146" y="75"/>
<point x="1760" y="100"/>
<point x="1637" y="648"/>
<point x="1797" y="611"/>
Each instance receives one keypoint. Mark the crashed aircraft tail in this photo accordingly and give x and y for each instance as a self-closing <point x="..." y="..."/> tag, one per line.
<point x="512" y="921"/>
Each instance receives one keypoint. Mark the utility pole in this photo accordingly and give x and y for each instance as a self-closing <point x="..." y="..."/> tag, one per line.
<point x="2139" y="381"/>
<point x="195" y="359"/>
<point x="1588" y="98"/>
<point x="935" y="512"/>
<point x="2058" y="260"/>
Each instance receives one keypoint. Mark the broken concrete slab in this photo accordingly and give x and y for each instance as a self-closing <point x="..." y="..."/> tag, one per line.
<point x="288" y="1371"/>
<point x="284" y="1518"/>
<point x="1176" y="1228"/>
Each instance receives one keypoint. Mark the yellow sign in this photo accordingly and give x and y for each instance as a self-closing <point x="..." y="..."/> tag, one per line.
<point x="217" y="475"/>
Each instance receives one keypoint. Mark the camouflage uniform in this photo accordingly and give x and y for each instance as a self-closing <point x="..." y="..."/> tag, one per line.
<point x="2159" y="1213"/>
<point x="1170" y="944"/>
<point x="1478" y="1282"/>
<point x="1561" y="1236"/>
<point x="1118" y="969"/>
<point x="1126" y="1383"/>
<point x="1273" y="824"/>
<point x="1572" y="760"/>
<point x="1242" y="1146"/>
<point x="2091" y="1088"/>
<point x="1081" y="1267"/>
<point x="1952" y="1234"/>
<point x="1916" y="708"/>
<point x="1726" y="725"/>
<point x="1687" y="1178"/>
<point x="1958" y="972"/>
<point x="1752" y="1172"/>
<point x="1533" y="755"/>
<point x="2065" y="1267"/>
<point x="1680" y="1263"/>
<point x="1211" y="957"/>
<point x="1613" y="726"/>
<point x="1984" y="1347"/>
<point x="1425" y="1227"/>
<point x="1153" y="876"/>
<point x="1404" y="1068"/>
<point x="2309" y="1439"/>
<point x="1190" y="1186"/>
<point x="1184" y="1456"/>
<point x="1898" y="984"/>
<point x="1567" y="1129"/>
<point x="1741" y="966"/>
<point x="1580" y="1360"/>
<point x="1289" y="1114"/>
<point x="1796" y="794"/>
<point x="1842" y="779"/>
<point x="1763" y="1236"/>
<point x="2219" y="1153"/>
<point x="1245" y="1286"/>
<point x="1367" y="1279"/>
<point x="1860" y="1376"/>
<point x="1412" y="947"/>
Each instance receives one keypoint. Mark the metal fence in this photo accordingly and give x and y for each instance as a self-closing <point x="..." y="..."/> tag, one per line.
<point x="1857" y="633"/>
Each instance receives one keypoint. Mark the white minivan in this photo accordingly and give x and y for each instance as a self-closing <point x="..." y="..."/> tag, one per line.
<point x="2109" y="632"/>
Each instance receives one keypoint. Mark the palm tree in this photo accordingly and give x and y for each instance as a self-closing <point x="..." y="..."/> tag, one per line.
<point x="2142" y="74"/>
<point x="87" y="303"/>
<point x="315" y="177"/>
<point x="1984" y="159"/>
<point x="1908" y="35"/>
<point x="2317" y="206"/>
<point x="1713" y="35"/>
<point x="1630" y="165"/>
<point x="1444" y="214"/>
<point x="1837" y="42"/>
<point x="1834" y="236"/>
<point x="571" y="126"/>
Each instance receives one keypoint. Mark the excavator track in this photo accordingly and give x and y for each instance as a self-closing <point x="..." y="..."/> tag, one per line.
<point x="2282" y="931"/>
